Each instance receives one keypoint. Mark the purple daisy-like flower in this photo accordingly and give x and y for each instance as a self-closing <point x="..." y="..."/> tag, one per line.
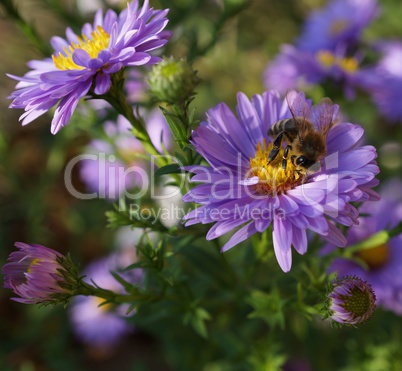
<point x="89" y="61"/>
<point x="381" y="263"/>
<point x="294" y="68"/>
<point x="102" y="326"/>
<point x="351" y="301"/>
<point x="340" y="21"/>
<point x="37" y="274"/>
<point x="241" y="189"/>
<point x="113" y="166"/>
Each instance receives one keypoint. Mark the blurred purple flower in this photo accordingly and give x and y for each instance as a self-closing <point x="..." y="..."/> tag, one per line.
<point x="384" y="81"/>
<point x="351" y="301"/>
<point x="136" y="86"/>
<point x="380" y="265"/>
<point x="87" y="62"/>
<point x="339" y="22"/>
<point x="37" y="274"/>
<point x="104" y="326"/>
<point x="294" y="68"/>
<point x="117" y="166"/>
<point x="239" y="188"/>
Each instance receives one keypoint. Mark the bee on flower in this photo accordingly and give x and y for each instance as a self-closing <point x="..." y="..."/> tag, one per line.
<point x="245" y="188"/>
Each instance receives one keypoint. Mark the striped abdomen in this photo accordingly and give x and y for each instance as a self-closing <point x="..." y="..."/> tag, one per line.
<point x="287" y="126"/>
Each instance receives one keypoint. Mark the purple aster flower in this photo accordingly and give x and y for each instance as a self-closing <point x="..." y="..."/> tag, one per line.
<point x="38" y="275"/>
<point x="117" y="166"/>
<point x="86" y="62"/>
<point x="352" y="301"/>
<point x="294" y="68"/>
<point x="384" y="81"/>
<point x="341" y="21"/>
<point x="241" y="189"/>
<point x="381" y="263"/>
<point x="103" y="326"/>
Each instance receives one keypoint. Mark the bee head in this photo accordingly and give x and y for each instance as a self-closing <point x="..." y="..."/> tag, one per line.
<point x="310" y="149"/>
<point x="304" y="162"/>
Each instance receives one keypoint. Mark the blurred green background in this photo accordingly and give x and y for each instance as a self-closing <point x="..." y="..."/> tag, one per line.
<point x="230" y="45"/>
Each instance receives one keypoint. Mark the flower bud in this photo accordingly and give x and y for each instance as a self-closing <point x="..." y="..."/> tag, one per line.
<point x="172" y="81"/>
<point x="351" y="301"/>
<point x="40" y="275"/>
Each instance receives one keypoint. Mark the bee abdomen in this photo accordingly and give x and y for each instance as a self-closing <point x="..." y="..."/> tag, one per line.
<point x="286" y="125"/>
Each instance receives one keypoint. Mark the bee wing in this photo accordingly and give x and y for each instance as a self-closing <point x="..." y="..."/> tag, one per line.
<point x="323" y="115"/>
<point x="299" y="109"/>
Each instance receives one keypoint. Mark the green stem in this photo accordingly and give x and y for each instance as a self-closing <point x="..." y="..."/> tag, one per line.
<point x="185" y="121"/>
<point x="116" y="97"/>
<point x="110" y="296"/>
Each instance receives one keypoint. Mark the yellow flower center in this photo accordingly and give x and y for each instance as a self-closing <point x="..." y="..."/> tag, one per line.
<point x="375" y="257"/>
<point x="99" y="41"/>
<point x="33" y="262"/>
<point x="274" y="179"/>
<point x="328" y="59"/>
<point x="358" y="303"/>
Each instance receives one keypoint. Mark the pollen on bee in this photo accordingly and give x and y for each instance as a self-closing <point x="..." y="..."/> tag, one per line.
<point x="274" y="179"/>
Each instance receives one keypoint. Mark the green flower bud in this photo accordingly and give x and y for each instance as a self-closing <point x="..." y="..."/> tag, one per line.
<point x="173" y="81"/>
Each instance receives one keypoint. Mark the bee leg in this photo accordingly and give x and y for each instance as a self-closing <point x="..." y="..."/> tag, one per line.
<point x="276" y="147"/>
<point x="285" y="156"/>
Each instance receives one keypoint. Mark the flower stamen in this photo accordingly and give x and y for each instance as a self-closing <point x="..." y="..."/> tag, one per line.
<point x="274" y="179"/>
<point x="99" y="41"/>
<point x="328" y="59"/>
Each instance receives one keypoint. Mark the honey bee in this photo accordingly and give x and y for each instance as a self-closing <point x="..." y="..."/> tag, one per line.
<point x="306" y="142"/>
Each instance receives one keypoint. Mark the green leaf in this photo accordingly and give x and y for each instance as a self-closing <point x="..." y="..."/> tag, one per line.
<point x="198" y="323"/>
<point x="268" y="307"/>
<point x="176" y="127"/>
<point x="191" y="116"/>
<point x="168" y="169"/>
<point x="196" y="317"/>
<point x="127" y="286"/>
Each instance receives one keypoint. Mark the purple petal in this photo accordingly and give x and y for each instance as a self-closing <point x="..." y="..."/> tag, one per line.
<point x="282" y="238"/>
<point x="241" y="235"/>
<point x="299" y="240"/>
<point x="81" y="57"/>
<point x="102" y="83"/>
